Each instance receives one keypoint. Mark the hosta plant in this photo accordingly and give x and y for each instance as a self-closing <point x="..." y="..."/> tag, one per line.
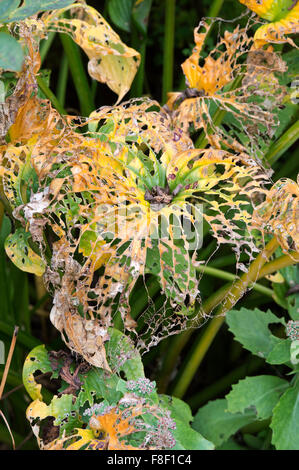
<point x="112" y="210"/>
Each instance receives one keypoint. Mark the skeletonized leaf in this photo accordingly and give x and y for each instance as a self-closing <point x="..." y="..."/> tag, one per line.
<point x="280" y="213"/>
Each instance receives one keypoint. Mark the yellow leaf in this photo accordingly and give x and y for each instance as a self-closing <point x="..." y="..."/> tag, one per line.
<point x="110" y="60"/>
<point x="284" y="17"/>
<point x="22" y="255"/>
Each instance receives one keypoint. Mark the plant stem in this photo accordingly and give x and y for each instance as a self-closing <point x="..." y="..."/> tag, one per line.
<point x="288" y="169"/>
<point x="215" y="8"/>
<point x="5" y="437"/>
<point x="279" y="263"/>
<point x="231" y="277"/>
<point x="62" y="80"/>
<point x="138" y="43"/>
<point x="168" y="52"/>
<point x="278" y="148"/>
<point x="9" y="358"/>
<point x="50" y="95"/>
<point x="29" y="342"/>
<point x="205" y="340"/>
<point x="78" y="74"/>
<point x="182" y="339"/>
<point x="46" y="44"/>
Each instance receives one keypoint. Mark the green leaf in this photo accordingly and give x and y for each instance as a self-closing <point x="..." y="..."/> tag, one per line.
<point x="21" y="254"/>
<point x="261" y="393"/>
<point x="140" y="14"/>
<point x="6" y="7"/>
<point x="291" y="59"/>
<point x="62" y="408"/>
<point x="251" y="329"/>
<point x="11" y="53"/>
<point x="285" y="421"/>
<point x="216" y="424"/>
<point x="66" y="413"/>
<point x="190" y="439"/>
<point x="28" y="8"/>
<point x="185" y="436"/>
<point x="122" y="356"/>
<point x="37" y="360"/>
<point x="120" y="13"/>
<point x="294" y="352"/>
<point x="281" y="353"/>
<point x="230" y="444"/>
<point x="97" y="384"/>
<point x="179" y="409"/>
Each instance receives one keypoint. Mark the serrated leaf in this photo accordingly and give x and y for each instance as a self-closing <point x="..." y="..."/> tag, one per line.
<point x="11" y="53"/>
<point x="120" y="13"/>
<point x="216" y="424"/>
<point x="22" y="255"/>
<point x="285" y="421"/>
<point x="97" y="384"/>
<point x="36" y="360"/>
<point x="261" y="393"/>
<point x="251" y="329"/>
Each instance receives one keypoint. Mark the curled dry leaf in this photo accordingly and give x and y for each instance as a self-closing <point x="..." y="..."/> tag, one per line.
<point x="110" y="60"/>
